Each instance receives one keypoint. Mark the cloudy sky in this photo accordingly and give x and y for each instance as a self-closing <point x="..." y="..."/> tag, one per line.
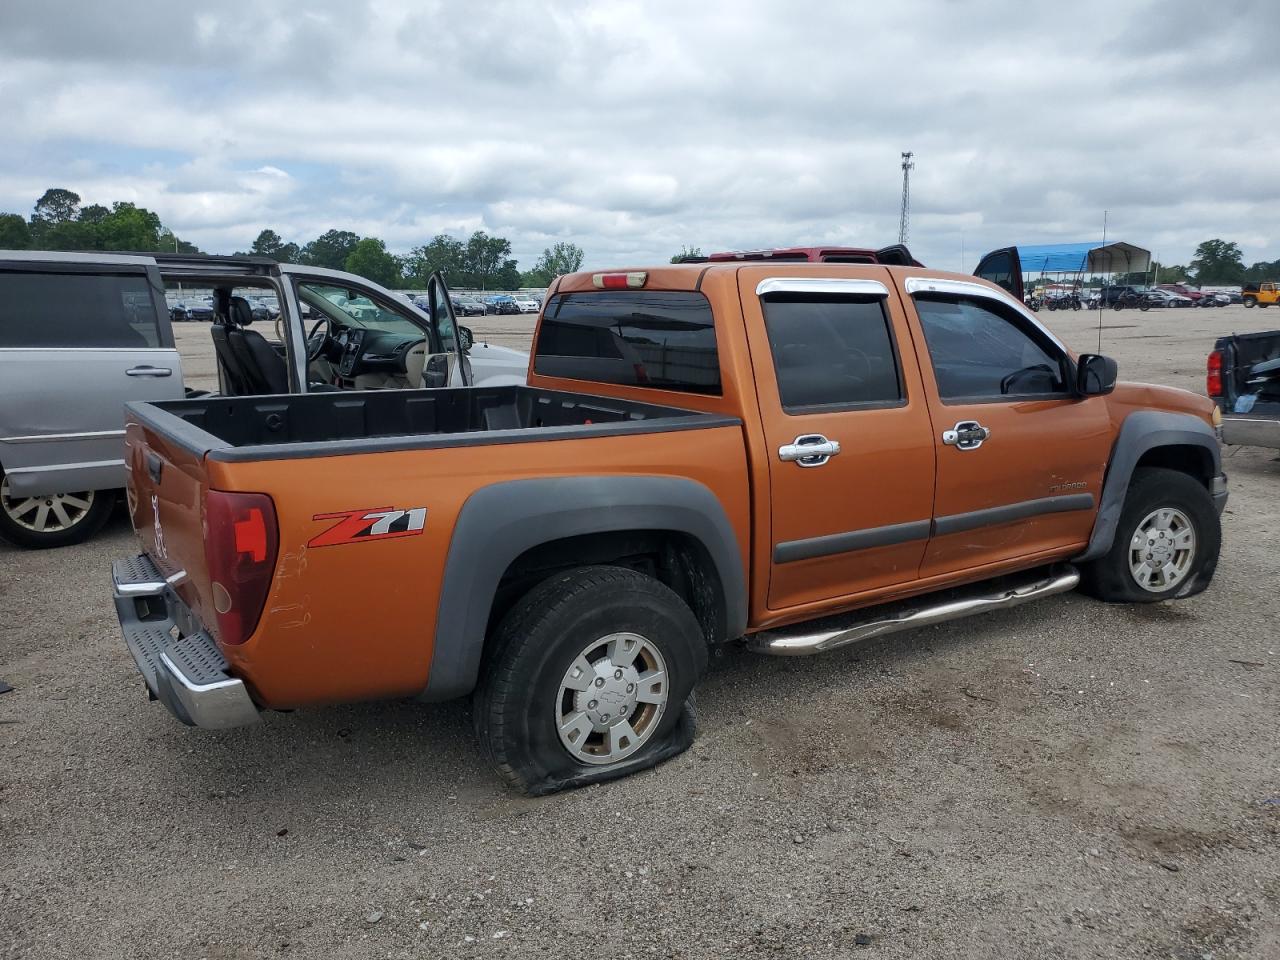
<point x="631" y="128"/>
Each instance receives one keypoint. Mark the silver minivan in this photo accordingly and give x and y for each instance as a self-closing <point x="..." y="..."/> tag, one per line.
<point x="82" y="333"/>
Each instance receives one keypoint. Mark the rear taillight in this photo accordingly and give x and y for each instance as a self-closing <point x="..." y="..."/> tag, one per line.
<point x="1213" y="375"/>
<point x="240" y="543"/>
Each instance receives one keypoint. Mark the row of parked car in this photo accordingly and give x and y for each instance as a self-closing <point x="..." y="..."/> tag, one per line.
<point x="268" y="308"/>
<point x="1119" y="296"/>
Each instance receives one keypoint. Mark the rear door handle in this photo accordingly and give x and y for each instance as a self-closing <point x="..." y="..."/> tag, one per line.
<point x="146" y="370"/>
<point x="809" y="450"/>
<point x="154" y="466"/>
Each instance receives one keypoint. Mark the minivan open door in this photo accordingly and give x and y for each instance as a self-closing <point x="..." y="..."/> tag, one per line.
<point x="457" y="372"/>
<point x="1003" y="268"/>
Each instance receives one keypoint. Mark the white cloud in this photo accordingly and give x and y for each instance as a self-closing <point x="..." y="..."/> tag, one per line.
<point x="633" y="128"/>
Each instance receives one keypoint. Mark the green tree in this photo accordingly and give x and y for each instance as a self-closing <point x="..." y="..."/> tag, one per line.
<point x="686" y="252"/>
<point x="1260" y="271"/>
<point x="56" y="205"/>
<point x="1169" y="273"/>
<point x="330" y="249"/>
<point x="444" y="253"/>
<point x="507" y="277"/>
<point x="270" y="244"/>
<point x="560" y="259"/>
<point x="371" y="260"/>
<point x="1218" y="261"/>
<point x="172" y="244"/>
<point x="127" y="227"/>
<point x="488" y="264"/>
<point x="14" y="232"/>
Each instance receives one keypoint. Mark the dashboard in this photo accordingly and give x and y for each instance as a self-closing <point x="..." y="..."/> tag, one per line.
<point x="356" y="351"/>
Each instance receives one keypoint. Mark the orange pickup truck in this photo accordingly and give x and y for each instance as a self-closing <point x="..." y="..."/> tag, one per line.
<point x="795" y="455"/>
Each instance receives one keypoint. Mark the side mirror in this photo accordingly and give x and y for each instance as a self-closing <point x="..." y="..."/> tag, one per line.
<point x="1095" y="375"/>
<point x="466" y="339"/>
<point x="436" y="372"/>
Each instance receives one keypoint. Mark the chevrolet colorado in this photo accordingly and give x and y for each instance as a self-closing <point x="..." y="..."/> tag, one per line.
<point x="798" y="455"/>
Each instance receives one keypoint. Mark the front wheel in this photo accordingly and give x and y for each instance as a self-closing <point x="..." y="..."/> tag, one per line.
<point x="590" y="678"/>
<point x="1166" y="543"/>
<point x="57" y="520"/>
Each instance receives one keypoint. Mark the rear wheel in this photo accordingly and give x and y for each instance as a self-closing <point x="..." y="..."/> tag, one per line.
<point x="1166" y="544"/>
<point x="1250" y="301"/>
<point x="590" y="678"/>
<point x="56" y="520"/>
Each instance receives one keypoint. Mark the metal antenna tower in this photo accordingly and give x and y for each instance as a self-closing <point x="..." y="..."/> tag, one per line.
<point x="904" y="219"/>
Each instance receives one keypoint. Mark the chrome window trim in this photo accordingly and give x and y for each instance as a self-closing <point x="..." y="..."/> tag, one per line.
<point x="172" y="350"/>
<point x="864" y="288"/>
<point x="966" y="288"/>
<point x="87" y="259"/>
<point x="48" y="468"/>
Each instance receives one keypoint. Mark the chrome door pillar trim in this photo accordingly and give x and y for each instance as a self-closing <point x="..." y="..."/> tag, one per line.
<point x="966" y="288"/>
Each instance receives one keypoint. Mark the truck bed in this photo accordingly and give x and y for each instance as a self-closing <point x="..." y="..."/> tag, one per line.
<point x="329" y="424"/>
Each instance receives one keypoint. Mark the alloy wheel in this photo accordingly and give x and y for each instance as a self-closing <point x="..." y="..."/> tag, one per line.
<point x="611" y="698"/>
<point x="49" y="514"/>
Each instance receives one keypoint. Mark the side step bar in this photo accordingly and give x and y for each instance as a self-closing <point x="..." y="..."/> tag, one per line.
<point x="835" y="632"/>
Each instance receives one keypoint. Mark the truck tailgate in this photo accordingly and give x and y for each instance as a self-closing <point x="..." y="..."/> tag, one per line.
<point x="165" y="488"/>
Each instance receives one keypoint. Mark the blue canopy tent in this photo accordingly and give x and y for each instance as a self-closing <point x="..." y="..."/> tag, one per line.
<point x="1007" y="266"/>
<point x="1078" y="258"/>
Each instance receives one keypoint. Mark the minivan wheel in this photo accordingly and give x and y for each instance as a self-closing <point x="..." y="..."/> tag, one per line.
<point x="1166" y="544"/>
<point x="56" y="520"/>
<point x="590" y="678"/>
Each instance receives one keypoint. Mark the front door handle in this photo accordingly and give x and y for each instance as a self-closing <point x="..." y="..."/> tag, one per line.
<point x="809" y="450"/>
<point x="146" y="370"/>
<point x="966" y="435"/>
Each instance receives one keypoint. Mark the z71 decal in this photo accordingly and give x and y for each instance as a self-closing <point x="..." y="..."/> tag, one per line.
<point x="378" y="523"/>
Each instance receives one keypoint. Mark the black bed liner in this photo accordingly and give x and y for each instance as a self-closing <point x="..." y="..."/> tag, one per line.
<point x="333" y="424"/>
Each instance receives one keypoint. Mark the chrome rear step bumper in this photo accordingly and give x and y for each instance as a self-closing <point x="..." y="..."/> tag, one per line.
<point x="833" y="632"/>
<point x="178" y="659"/>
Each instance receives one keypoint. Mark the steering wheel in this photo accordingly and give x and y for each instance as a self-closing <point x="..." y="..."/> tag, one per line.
<point x="315" y="345"/>
<point x="1017" y="375"/>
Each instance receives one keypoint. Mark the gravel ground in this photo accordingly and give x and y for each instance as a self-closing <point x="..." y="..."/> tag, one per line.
<point x="1066" y="779"/>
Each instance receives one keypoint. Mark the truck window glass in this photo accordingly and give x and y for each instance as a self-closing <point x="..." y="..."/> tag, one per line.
<point x="981" y="354"/>
<point x="831" y="351"/>
<point x="998" y="268"/>
<point x="77" y="310"/>
<point x="645" y="338"/>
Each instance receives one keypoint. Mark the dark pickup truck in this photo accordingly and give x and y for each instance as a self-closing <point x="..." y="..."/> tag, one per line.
<point x="1243" y="379"/>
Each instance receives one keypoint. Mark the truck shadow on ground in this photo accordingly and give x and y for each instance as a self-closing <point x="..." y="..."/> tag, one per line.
<point x="357" y="755"/>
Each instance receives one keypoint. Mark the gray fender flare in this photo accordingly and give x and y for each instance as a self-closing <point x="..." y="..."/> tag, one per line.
<point x="1142" y="431"/>
<point x="500" y="522"/>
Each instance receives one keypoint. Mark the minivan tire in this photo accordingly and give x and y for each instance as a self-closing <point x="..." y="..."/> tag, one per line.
<point x="86" y="523"/>
<point x="572" y="622"/>
<point x="1152" y="491"/>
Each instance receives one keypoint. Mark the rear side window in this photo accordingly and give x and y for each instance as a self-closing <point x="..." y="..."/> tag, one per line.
<point x="664" y="339"/>
<point x="77" y="310"/>
<point x="831" y="351"/>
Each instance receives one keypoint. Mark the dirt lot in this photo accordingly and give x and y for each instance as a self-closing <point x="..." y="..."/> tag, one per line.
<point x="1062" y="780"/>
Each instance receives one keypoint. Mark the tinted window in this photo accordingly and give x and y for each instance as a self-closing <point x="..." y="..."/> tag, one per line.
<point x="980" y="351"/>
<point x="645" y="338"/>
<point x="998" y="268"/>
<point x="831" y="351"/>
<point x="76" y="310"/>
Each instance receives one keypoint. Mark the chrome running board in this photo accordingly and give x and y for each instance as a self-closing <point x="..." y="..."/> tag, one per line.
<point x="803" y="640"/>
